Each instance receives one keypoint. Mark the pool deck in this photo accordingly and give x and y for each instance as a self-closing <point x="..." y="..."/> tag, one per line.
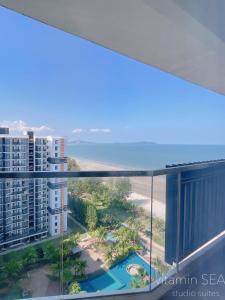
<point x="95" y="260"/>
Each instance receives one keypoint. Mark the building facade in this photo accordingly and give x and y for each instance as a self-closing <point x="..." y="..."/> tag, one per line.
<point x="31" y="209"/>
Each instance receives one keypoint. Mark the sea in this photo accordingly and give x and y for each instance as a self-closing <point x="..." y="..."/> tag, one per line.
<point x="145" y="156"/>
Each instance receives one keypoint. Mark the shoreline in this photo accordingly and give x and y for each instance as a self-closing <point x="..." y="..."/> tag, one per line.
<point x="96" y="165"/>
<point x="141" y="186"/>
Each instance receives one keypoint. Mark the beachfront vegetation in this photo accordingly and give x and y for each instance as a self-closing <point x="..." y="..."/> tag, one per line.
<point x="97" y="203"/>
<point x="91" y="202"/>
<point x="72" y="165"/>
<point x="91" y="217"/>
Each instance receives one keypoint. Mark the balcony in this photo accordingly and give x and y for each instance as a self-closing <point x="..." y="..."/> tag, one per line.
<point x="57" y="160"/>
<point x="152" y="240"/>
<point x="57" y="185"/>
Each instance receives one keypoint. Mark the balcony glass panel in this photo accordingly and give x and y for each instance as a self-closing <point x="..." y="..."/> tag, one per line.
<point x="105" y="235"/>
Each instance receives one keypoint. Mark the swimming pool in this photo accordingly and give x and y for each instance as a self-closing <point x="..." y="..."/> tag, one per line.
<point x="117" y="278"/>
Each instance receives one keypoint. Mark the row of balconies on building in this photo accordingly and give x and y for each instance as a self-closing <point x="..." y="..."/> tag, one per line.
<point x="8" y="156"/>
<point x="59" y="210"/>
<point x="40" y="142"/>
<point x="15" y="196"/>
<point x="16" y="233"/>
<point x="10" y="149"/>
<point x="41" y="220"/>
<point x="41" y="155"/>
<point x="40" y="161"/>
<point x="18" y="141"/>
<point x="41" y="168"/>
<point x="41" y="148"/>
<point x="15" y="213"/>
<point x="13" y="182"/>
<point x="3" y="169"/>
<point x="57" y="185"/>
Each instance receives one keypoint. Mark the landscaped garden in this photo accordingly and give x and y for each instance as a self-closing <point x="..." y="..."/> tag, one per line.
<point x="41" y="263"/>
<point x="102" y="207"/>
<point x="113" y="242"/>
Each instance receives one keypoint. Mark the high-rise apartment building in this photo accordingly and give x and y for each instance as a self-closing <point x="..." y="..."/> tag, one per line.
<point x="31" y="209"/>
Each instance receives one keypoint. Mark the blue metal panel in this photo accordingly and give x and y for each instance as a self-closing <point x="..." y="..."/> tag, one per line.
<point x="200" y="213"/>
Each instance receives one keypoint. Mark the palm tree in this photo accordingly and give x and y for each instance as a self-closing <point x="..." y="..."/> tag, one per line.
<point x="55" y="268"/>
<point x="135" y="224"/>
<point x="79" y="267"/>
<point x="101" y="234"/>
<point x="91" y="217"/>
<point x="109" y="254"/>
<point x="67" y="276"/>
<point x="75" y="239"/>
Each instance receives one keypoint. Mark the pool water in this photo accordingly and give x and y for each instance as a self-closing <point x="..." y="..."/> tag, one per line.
<point x="117" y="278"/>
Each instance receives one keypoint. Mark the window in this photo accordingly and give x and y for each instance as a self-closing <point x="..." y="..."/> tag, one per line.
<point x="56" y="230"/>
<point x="56" y="218"/>
<point x="56" y="148"/>
<point x="56" y="224"/>
<point x="56" y="199"/>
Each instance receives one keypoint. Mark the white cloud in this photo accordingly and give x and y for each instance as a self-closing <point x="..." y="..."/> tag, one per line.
<point x="106" y="130"/>
<point x="77" y="130"/>
<point x="21" y="126"/>
<point x="91" y="130"/>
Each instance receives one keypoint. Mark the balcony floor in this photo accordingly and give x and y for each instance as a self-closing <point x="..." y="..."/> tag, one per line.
<point x="205" y="279"/>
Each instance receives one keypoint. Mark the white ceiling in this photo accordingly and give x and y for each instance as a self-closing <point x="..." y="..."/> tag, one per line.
<point x="183" y="37"/>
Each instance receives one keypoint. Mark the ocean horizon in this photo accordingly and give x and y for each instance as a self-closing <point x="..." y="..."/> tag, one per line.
<point x="144" y="155"/>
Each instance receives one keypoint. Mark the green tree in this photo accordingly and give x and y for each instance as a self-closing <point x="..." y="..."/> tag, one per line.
<point x="80" y="188"/>
<point x="126" y="235"/>
<point x="100" y="234"/>
<point x="79" y="267"/>
<point x="91" y="217"/>
<point x="73" y="165"/>
<point x="74" y="288"/>
<point x="78" y="208"/>
<point x="123" y="188"/>
<point x="30" y="256"/>
<point x="135" y="224"/>
<point x="13" y="268"/>
<point x="108" y="254"/>
<point x="67" y="276"/>
<point x="51" y="253"/>
<point x="56" y="268"/>
<point x="70" y="243"/>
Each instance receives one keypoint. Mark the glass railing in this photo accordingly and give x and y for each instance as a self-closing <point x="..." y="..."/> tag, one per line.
<point x="110" y="232"/>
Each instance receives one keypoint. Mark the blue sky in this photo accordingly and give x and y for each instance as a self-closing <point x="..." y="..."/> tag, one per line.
<point x="59" y="84"/>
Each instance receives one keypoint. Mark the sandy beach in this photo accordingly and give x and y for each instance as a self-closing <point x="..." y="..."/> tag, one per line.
<point x="141" y="186"/>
